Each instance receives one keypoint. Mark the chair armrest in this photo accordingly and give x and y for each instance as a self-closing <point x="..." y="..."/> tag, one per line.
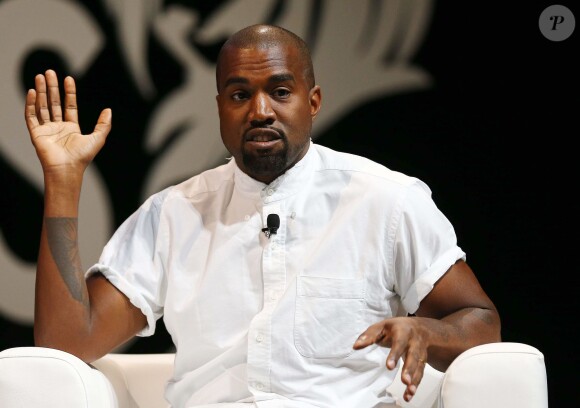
<point x="496" y="375"/>
<point x="49" y="378"/>
<point x="138" y="379"/>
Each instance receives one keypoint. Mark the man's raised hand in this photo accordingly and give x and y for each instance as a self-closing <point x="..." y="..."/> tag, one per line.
<point x="58" y="140"/>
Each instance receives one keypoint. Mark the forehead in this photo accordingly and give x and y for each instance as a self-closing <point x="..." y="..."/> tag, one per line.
<point x="259" y="63"/>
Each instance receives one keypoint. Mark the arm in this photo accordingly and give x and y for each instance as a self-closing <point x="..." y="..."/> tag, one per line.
<point x="85" y="318"/>
<point x="455" y="316"/>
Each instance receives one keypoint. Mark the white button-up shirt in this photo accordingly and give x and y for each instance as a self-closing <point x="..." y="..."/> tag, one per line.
<point x="270" y="322"/>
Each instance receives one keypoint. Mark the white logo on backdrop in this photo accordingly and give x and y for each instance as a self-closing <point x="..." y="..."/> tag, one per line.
<point x="362" y="51"/>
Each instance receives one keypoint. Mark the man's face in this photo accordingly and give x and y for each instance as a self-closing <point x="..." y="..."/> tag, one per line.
<point x="266" y="109"/>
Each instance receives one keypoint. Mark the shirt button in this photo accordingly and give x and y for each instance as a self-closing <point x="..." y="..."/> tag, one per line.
<point x="270" y="191"/>
<point x="293" y="215"/>
<point x="259" y="338"/>
<point x="247" y="217"/>
<point x="273" y="296"/>
<point x="259" y="386"/>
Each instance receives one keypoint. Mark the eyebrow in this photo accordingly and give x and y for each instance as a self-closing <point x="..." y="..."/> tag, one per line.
<point x="281" y="78"/>
<point x="276" y="78"/>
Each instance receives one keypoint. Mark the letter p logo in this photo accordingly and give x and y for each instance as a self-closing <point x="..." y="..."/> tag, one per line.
<point x="557" y="23"/>
<point x="556" y="20"/>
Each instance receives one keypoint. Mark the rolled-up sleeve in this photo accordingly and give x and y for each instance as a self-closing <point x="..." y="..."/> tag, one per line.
<point x="425" y="246"/>
<point x="132" y="261"/>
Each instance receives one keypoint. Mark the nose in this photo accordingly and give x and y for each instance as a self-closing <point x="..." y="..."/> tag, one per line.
<point x="261" y="112"/>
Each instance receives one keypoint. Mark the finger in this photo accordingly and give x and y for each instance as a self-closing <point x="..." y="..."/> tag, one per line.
<point x="103" y="126"/>
<point x="53" y="95"/>
<point x="409" y="393"/>
<point x="392" y="359"/>
<point x="30" y="110"/>
<point x="418" y="373"/>
<point x="370" y="336"/>
<point x="411" y="389"/>
<point x="408" y="371"/>
<point x="410" y="381"/>
<point x="398" y="345"/>
<point x="412" y="372"/>
<point x="70" y="100"/>
<point x="41" y="105"/>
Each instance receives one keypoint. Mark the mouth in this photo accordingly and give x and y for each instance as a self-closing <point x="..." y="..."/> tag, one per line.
<point x="262" y="135"/>
<point x="262" y="138"/>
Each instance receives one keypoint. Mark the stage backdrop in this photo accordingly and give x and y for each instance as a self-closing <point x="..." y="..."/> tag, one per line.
<point x="471" y="98"/>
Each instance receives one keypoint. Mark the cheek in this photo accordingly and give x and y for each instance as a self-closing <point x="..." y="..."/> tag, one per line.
<point x="229" y="122"/>
<point x="232" y="130"/>
<point x="303" y="120"/>
<point x="297" y="117"/>
<point x="235" y="118"/>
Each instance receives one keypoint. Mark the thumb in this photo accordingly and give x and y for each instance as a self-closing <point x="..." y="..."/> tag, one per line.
<point x="103" y="126"/>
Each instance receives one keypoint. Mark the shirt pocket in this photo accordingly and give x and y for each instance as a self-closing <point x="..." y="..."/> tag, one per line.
<point x="328" y="316"/>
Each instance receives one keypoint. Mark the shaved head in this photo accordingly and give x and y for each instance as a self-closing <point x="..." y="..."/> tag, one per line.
<point x="263" y="36"/>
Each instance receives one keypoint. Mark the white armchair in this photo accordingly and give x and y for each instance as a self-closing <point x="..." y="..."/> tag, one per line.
<point x="497" y="375"/>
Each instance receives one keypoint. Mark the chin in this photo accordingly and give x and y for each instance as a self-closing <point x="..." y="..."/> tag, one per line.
<point x="262" y="167"/>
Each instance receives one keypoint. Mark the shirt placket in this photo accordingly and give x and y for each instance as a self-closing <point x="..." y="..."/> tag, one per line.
<point x="274" y="278"/>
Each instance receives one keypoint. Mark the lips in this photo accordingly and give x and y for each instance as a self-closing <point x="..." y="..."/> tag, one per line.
<point x="262" y="135"/>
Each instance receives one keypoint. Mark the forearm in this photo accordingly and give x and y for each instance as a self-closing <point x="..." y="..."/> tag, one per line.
<point x="62" y="308"/>
<point x="459" y="331"/>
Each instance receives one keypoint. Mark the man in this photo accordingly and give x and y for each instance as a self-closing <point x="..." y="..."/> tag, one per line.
<point x="361" y="268"/>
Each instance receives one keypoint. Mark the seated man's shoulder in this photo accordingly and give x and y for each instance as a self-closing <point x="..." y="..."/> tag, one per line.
<point x="367" y="170"/>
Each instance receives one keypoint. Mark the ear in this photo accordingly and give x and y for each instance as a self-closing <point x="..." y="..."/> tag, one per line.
<point x="315" y="99"/>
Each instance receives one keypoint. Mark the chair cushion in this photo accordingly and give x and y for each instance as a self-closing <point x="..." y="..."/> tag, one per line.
<point x="49" y="378"/>
<point x="496" y="375"/>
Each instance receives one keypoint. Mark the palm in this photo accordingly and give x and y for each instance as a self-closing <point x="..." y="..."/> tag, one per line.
<point x="59" y="143"/>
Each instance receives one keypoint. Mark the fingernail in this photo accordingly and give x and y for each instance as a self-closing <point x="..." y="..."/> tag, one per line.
<point x="413" y="389"/>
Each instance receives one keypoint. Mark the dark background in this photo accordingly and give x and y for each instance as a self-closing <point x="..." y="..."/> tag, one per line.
<point x="494" y="139"/>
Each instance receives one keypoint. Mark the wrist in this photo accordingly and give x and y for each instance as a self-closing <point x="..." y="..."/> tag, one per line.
<point x="62" y="191"/>
<point x="63" y="175"/>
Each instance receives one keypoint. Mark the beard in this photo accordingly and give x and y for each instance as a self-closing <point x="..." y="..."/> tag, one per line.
<point x="267" y="163"/>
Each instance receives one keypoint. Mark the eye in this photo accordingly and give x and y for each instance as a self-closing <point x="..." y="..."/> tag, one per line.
<point x="281" y="93"/>
<point x="239" y="96"/>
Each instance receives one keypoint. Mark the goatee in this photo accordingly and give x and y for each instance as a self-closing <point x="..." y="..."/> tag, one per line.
<point x="266" y="163"/>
